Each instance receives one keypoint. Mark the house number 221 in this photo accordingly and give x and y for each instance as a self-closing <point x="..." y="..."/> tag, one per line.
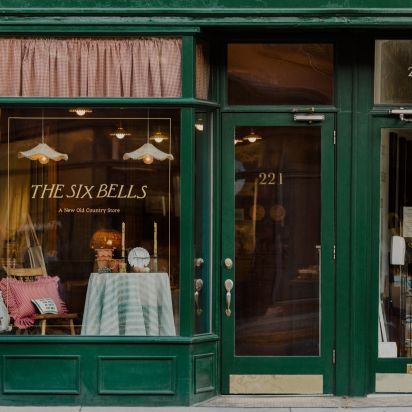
<point x="270" y="178"/>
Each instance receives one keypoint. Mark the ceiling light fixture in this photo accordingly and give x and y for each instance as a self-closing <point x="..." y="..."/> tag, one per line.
<point x="199" y="125"/>
<point x="252" y="137"/>
<point x="147" y="152"/>
<point x="120" y="133"/>
<point x="159" y="137"/>
<point x="42" y="152"/>
<point x="80" y="111"/>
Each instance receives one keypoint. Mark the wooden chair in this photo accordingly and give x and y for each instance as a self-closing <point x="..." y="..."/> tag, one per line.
<point x="29" y="275"/>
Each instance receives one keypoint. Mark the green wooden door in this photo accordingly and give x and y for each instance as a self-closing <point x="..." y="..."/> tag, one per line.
<point x="277" y="276"/>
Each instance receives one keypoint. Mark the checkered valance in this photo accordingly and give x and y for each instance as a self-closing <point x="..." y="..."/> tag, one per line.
<point x="91" y="67"/>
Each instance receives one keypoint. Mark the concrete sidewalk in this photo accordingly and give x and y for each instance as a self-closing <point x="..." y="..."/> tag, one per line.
<point x="395" y="403"/>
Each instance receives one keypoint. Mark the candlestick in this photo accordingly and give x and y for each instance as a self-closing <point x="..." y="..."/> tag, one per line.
<point x="123" y="239"/>
<point x="155" y="239"/>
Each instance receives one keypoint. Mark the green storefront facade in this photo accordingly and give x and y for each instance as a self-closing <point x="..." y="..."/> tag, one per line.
<point x="337" y="133"/>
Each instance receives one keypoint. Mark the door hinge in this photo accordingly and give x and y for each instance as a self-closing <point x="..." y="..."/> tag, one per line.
<point x="334" y="356"/>
<point x="334" y="137"/>
<point x="334" y="252"/>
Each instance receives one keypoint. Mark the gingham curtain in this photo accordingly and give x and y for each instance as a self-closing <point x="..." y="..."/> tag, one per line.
<point x="202" y="71"/>
<point x="74" y="67"/>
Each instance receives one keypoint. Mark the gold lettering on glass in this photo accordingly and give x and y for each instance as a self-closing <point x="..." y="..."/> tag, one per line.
<point x="80" y="191"/>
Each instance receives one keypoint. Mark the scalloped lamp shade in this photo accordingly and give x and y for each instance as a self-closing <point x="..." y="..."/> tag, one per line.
<point x="147" y="153"/>
<point x="43" y="153"/>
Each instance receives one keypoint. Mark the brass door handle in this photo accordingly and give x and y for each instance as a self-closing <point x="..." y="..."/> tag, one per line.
<point x="198" y="288"/>
<point x="228" y="287"/>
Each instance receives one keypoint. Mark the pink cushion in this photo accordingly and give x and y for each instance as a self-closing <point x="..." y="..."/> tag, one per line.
<point x="18" y="295"/>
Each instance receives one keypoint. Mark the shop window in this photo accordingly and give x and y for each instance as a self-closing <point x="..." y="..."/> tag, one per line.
<point x="395" y="280"/>
<point x="393" y="71"/>
<point x="90" y="222"/>
<point x="203" y="223"/>
<point x="91" y="67"/>
<point x="274" y="74"/>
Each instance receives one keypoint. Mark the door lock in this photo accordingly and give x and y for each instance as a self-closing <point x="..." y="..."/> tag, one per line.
<point x="199" y="262"/>
<point x="228" y="263"/>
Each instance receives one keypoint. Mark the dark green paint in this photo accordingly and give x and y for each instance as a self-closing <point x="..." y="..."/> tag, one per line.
<point x="232" y="364"/>
<point x="60" y="377"/>
<point x="186" y="221"/>
<point x="203" y="225"/>
<point x="205" y="372"/>
<point x="360" y="224"/>
<point x="140" y="375"/>
<point x="108" y="102"/>
<point x="343" y="97"/>
<point x="197" y="360"/>
<point x="102" y="373"/>
<point x="188" y="67"/>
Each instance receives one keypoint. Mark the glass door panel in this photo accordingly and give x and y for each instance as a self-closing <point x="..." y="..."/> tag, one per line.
<point x="277" y="252"/>
<point x="395" y="277"/>
<point x="277" y="240"/>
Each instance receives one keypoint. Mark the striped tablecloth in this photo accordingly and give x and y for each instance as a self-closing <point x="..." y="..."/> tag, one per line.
<point x="138" y="304"/>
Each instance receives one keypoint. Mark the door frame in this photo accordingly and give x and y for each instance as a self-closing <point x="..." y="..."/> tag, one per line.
<point x="385" y="367"/>
<point x="294" y="364"/>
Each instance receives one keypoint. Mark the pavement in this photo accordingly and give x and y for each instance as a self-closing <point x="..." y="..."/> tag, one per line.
<point x="241" y="403"/>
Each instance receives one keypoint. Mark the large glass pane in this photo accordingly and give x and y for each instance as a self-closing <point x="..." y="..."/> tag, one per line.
<point x="203" y="223"/>
<point x="277" y="238"/>
<point x="92" y="219"/>
<point x="393" y="71"/>
<point x="270" y="74"/>
<point x="395" y="278"/>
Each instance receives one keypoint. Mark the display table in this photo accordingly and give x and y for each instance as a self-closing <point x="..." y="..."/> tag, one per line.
<point x="138" y="304"/>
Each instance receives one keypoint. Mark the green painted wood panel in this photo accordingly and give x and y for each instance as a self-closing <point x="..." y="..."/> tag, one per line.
<point x="130" y="16"/>
<point x="360" y="223"/>
<point x="343" y="80"/>
<point x="199" y="6"/>
<point x="137" y="375"/>
<point x="106" y="373"/>
<point x="41" y="374"/>
<point x="205" y="372"/>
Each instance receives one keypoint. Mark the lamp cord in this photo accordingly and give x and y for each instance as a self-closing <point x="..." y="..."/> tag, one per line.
<point x="148" y="131"/>
<point x="42" y="125"/>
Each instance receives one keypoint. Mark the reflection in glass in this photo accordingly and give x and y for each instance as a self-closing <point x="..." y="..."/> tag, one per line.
<point x="277" y="238"/>
<point x="393" y="71"/>
<point x="105" y="230"/>
<point x="280" y="74"/>
<point x="395" y="279"/>
<point x="203" y="222"/>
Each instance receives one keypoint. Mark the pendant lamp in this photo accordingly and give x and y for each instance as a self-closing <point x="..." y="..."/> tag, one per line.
<point x="80" y="111"/>
<point x="252" y="137"/>
<point x="159" y="137"/>
<point x="42" y="152"/>
<point x="120" y="133"/>
<point x="147" y="152"/>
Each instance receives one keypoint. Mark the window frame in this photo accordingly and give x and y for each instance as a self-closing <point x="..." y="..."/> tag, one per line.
<point x="187" y="104"/>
